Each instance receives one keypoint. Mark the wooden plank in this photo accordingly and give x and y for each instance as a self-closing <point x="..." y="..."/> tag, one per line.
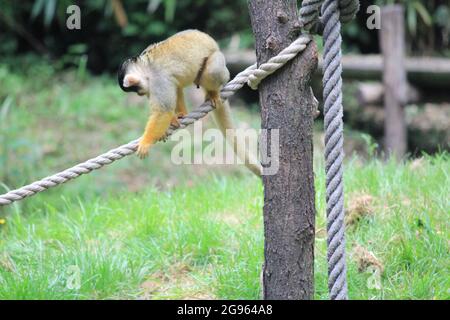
<point x="392" y="41"/>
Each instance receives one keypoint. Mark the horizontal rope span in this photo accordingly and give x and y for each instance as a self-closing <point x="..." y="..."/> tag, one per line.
<point x="251" y="76"/>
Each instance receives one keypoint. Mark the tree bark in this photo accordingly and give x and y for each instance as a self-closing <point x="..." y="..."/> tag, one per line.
<point x="287" y="104"/>
<point x="392" y="38"/>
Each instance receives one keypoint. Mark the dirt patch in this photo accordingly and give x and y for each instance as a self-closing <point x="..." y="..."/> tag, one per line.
<point x="366" y="259"/>
<point x="321" y="233"/>
<point x="178" y="282"/>
<point x="417" y="164"/>
<point x="360" y="205"/>
<point x="229" y="218"/>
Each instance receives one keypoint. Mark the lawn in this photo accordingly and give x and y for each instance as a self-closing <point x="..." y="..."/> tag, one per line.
<point x="153" y="230"/>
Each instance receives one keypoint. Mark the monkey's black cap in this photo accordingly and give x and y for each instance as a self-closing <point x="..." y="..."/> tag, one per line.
<point x="123" y="72"/>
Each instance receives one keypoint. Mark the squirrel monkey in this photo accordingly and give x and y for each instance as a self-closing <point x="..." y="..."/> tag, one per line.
<point x="161" y="72"/>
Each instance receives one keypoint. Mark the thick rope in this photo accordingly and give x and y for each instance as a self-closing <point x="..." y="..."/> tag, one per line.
<point x="348" y="10"/>
<point x="333" y="12"/>
<point x="251" y="75"/>
<point x="310" y="10"/>
<point x="309" y="13"/>
<point x="278" y="61"/>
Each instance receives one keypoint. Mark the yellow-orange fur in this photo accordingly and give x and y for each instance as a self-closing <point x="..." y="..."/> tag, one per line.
<point x="182" y="55"/>
<point x="164" y="69"/>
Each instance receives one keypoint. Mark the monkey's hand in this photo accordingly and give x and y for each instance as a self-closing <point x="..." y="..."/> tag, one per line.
<point x="142" y="150"/>
<point x="156" y="129"/>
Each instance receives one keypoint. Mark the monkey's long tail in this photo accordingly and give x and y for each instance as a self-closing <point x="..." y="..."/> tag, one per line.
<point x="222" y="117"/>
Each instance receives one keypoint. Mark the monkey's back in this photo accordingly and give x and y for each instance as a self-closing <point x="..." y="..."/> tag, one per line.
<point x="182" y="55"/>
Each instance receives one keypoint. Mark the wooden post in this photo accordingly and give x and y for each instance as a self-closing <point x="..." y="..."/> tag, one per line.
<point x="392" y="41"/>
<point x="287" y="104"/>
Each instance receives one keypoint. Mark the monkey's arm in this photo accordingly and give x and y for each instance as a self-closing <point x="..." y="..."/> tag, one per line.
<point x="156" y="127"/>
<point x="163" y="102"/>
<point x="181" y="105"/>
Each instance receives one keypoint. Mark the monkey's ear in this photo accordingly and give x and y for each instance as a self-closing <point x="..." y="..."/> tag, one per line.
<point x="130" y="81"/>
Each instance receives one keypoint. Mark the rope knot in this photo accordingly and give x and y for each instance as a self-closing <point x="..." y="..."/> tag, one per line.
<point x="275" y="63"/>
<point x="310" y="13"/>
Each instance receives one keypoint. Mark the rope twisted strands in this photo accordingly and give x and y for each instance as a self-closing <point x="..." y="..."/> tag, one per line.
<point x="348" y="10"/>
<point x="125" y="150"/>
<point x="309" y="13"/>
<point x="275" y="63"/>
<point x="69" y="174"/>
<point x="334" y="152"/>
<point x="95" y="163"/>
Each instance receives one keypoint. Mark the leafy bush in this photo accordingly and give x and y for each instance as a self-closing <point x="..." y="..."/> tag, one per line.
<point x="114" y="29"/>
<point x="109" y="33"/>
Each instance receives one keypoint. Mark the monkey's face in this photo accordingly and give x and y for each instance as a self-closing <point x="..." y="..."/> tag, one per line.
<point x="131" y="77"/>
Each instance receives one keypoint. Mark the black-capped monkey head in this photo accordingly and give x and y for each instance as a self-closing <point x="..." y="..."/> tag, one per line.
<point x="132" y="77"/>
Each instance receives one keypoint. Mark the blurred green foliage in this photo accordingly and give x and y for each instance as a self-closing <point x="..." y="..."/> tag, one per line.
<point x="427" y="22"/>
<point x="40" y="25"/>
<point x="114" y="29"/>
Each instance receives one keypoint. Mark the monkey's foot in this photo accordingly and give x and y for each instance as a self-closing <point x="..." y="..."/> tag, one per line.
<point x="175" y="122"/>
<point x="142" y="150"/>
<point x="214" y="102"/>
<point x="176" y="119"/>
<point x="214" y="98"/>
<point x="181" y="115"/>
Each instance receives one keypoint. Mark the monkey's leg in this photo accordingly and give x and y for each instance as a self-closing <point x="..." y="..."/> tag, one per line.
<point x="181" y="109"/>
<point x="157" y="125"/>
<point x="214" y="77"/>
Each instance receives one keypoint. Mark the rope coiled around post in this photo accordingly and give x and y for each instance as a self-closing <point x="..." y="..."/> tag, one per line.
<point x="277" y="62"/>
<point x="252" y="75"/>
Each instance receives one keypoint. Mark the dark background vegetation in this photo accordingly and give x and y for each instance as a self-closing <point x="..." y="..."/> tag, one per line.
<point x="108" y="33"/>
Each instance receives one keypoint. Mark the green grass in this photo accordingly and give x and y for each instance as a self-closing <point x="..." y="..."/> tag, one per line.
<point x="120" y="242"/>
<point x="206" y="240"/>
<point x="153" y="230"/>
